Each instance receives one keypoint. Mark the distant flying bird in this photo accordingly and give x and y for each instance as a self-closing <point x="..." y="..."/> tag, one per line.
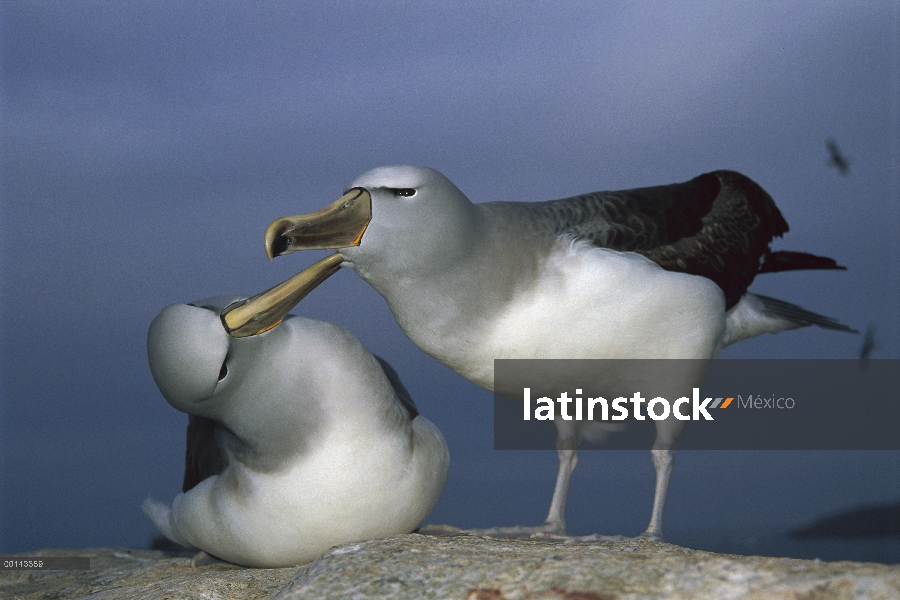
<point x="836" y="158"/>
<point x="869" y="344"/>
<point x="658" y="272"/>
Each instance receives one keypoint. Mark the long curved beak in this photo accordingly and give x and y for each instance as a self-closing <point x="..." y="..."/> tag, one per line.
<point x="339" y="225"/>
<point x="264" y="311"/>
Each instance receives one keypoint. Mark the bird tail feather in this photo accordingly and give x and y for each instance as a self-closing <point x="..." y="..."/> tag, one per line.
<point x="755" y="315"/>
<point x="161" y="516"/>
<point x="788" y="260"/>
<point x="800" y="316"/>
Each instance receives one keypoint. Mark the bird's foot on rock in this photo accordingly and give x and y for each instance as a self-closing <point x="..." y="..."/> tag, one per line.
<point x="579" y="539"/>
<point x="515" y="531"/>
<point x="653" y="536"/>
<point x="201" y="559"/>
<point x="541" y="532"/>
<point x="546" y="530"/>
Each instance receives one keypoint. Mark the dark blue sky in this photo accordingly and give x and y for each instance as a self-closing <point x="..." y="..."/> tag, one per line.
<point x="147" y="145"/>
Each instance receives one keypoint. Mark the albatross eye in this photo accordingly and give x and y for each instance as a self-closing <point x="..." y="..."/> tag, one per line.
<point x="405" y="192"/>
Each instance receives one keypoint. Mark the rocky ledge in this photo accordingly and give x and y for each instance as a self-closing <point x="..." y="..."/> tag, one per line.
<point x="464" y="567"/>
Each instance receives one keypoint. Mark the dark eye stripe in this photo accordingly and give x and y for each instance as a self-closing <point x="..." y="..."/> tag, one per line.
<point x="405" y="192"/>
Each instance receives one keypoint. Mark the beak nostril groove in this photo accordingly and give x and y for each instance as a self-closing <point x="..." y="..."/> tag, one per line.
<point x="280" y="245"/>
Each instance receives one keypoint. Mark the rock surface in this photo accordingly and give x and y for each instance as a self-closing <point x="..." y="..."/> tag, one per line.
<point x="464" y="567"/>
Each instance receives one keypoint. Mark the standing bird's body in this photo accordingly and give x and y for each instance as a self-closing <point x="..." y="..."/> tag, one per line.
<point x="649" y="273"/>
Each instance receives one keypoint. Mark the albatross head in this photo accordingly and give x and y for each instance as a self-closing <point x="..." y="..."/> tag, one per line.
<point x="385" y="214"/>
<point x="394" y="221"/>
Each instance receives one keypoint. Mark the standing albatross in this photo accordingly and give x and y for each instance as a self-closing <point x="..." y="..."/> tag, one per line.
<point x="657" y="272"/>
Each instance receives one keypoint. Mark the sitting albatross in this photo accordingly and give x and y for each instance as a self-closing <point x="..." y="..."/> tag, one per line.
<point x="657" y="272"/>
<point x="299" y="439"/>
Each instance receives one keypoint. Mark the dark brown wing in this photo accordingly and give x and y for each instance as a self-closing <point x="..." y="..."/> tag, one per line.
<point x="717" y="225"/>
<point x="203" y="458"/>
<point x="734" y="238"/>
<point x="402" y="394"/>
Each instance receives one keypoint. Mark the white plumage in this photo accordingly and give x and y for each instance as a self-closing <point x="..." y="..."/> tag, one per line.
<point x="656" y="272"/>
<point x="300" y="439"/>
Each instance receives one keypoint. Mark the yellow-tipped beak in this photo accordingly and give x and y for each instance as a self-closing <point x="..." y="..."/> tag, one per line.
<point x="266" y="310"/>
<point x="339" y="225"/>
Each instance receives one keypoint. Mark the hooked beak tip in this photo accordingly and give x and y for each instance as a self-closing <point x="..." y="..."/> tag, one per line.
<point x="266" y="310"/>
<point x="276" y="242"/>
<point x="338" y="225"/>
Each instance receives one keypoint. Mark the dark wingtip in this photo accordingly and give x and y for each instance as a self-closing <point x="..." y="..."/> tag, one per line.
<point x="403" y="396"/>
<point x="786" y="260"/>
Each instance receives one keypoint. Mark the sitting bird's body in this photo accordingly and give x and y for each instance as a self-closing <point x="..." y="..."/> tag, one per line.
<point x="299" y="439"/>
